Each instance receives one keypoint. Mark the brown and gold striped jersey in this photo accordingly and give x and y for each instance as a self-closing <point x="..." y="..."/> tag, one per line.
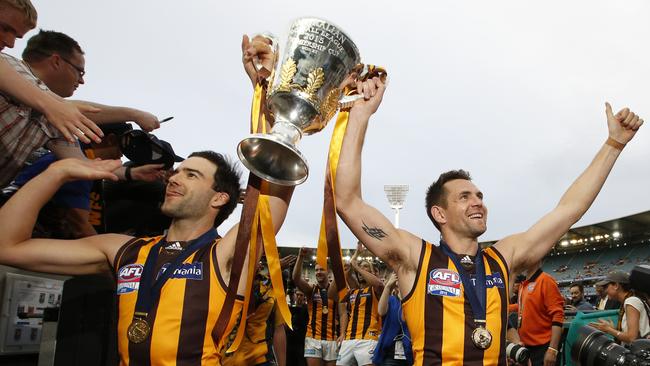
<point x="322" y="325"/>
<point x="256" y="346"/>
<point x="363" y="318"/>
<point x="440" y="318"/>
<point x="183" y="316"/>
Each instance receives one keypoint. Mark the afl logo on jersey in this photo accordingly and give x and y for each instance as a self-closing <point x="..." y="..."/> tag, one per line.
<point x="353" y="297"/>
<point x="130" y="272"/>
<point x="128" y="278"/>
<point x="443" y="282"/>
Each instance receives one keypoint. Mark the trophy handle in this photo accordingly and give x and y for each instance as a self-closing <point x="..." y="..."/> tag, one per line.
<point x="364" y="72"/>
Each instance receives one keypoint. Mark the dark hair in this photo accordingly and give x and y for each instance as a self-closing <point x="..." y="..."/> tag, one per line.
<point x="578" y="285"/>
<point x="46" y="43"/>
<point x="520" y="278"/>
<point x="625" y="286"/>
<point x="226" y="179"/>
<point x="436" y="194"/>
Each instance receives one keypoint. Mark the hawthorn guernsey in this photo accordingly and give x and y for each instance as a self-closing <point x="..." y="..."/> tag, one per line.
<point x="445" y="282"/>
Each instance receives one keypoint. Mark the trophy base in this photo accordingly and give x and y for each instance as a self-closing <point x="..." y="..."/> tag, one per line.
<point x="272" y="159"/>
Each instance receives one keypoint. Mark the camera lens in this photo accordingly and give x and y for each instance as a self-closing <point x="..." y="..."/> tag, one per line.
<point x="517" y="352"/>
<point x="593" y="347"/>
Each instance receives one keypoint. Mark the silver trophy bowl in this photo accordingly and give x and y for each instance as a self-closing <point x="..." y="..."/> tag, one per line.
<point x="306" y="89"/>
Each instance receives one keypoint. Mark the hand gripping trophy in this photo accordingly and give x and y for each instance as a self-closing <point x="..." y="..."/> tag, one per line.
<point x="307" y="89"/>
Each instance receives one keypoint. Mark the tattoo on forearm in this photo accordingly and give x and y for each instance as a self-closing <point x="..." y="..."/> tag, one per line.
<point x="374" y="232"/>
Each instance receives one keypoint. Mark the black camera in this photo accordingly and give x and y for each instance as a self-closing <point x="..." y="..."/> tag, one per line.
<point x="592" y="347"/>
<point x="517" y="353"/>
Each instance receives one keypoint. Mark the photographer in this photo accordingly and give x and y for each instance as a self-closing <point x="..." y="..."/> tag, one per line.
<point x="633" y="316"/>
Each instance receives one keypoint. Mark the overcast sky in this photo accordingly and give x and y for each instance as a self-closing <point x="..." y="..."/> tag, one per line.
<point x="512" y="91"/>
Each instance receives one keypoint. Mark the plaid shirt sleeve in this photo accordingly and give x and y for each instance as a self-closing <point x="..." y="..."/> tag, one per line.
<point x="22" y="129"/>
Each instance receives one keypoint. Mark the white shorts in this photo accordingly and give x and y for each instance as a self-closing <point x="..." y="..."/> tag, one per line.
<point x="359" y="350"/>
<point x="315" y="348"/>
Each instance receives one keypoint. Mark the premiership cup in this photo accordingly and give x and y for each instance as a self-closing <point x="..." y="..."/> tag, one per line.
<point x="307" y="88"/>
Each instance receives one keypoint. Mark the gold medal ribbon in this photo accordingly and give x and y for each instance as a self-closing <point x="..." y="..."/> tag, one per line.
<point x="252" y="264"/>
<point x="329" y="243"/>
<point x="247" y="224"/>
<point x="262" y="222"/>
<point x="273" y="259"/>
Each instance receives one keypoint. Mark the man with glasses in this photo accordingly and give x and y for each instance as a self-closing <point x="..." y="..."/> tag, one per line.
<point x="28" y="90"/>
<point x="30" y="115"/>
<point x="55" y="63"/>
<point x="57" y="60"/>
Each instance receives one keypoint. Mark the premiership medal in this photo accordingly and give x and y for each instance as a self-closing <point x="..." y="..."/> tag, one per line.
<point x="138" y="330"/>
<point x="482" y="338"/>
<point x="475" y="293"/>
<point x="323" y="299"/>
<point x="149" y="289"/>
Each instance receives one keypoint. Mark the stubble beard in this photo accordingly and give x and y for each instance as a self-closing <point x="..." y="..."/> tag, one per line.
<point x="321" y="281"/>
<point x="175" y="211"/>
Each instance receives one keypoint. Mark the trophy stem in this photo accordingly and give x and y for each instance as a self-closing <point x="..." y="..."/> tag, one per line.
<point x="274" y="156"/>
<point x="289" y="133"/>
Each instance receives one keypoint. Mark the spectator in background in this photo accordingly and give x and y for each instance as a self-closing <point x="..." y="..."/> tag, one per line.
<point x="578" y="302"/>
<point x="296" y="336"/>
<point x="514" y="301"/>
<point x="323" y="327"/>
<point x="264" y="341"/>
<point x="58" y="61"/>
<point x="359" y="316"/>
<point x="44" y="115"/>
<point x="633" y="320"/>
<point x="515" y="288"/>
<point x="603" y="301"/>
<point x="394" y="345"/>
<point x="540" y="316"/>
<point x="55" y="63"/>
<point x="67" y="215"/>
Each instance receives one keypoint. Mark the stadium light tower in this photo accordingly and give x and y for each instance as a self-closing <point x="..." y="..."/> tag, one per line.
<point x="396" y="194"/>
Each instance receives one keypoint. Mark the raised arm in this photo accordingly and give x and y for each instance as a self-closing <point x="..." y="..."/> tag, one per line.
<point x="62" y="149"/>
<point x="382" y="305"/>
<point x="279" y="196"/>
<point x="114" y="114"/>
<point x="520" y="250"/>
<point x="368" y="224"/>
<point x="83" y="256"/>
<point x="297" y="274"/>
<point x="350" y="278"/>
<point x="63" y="115"/>
<point x="370" y="278"/>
